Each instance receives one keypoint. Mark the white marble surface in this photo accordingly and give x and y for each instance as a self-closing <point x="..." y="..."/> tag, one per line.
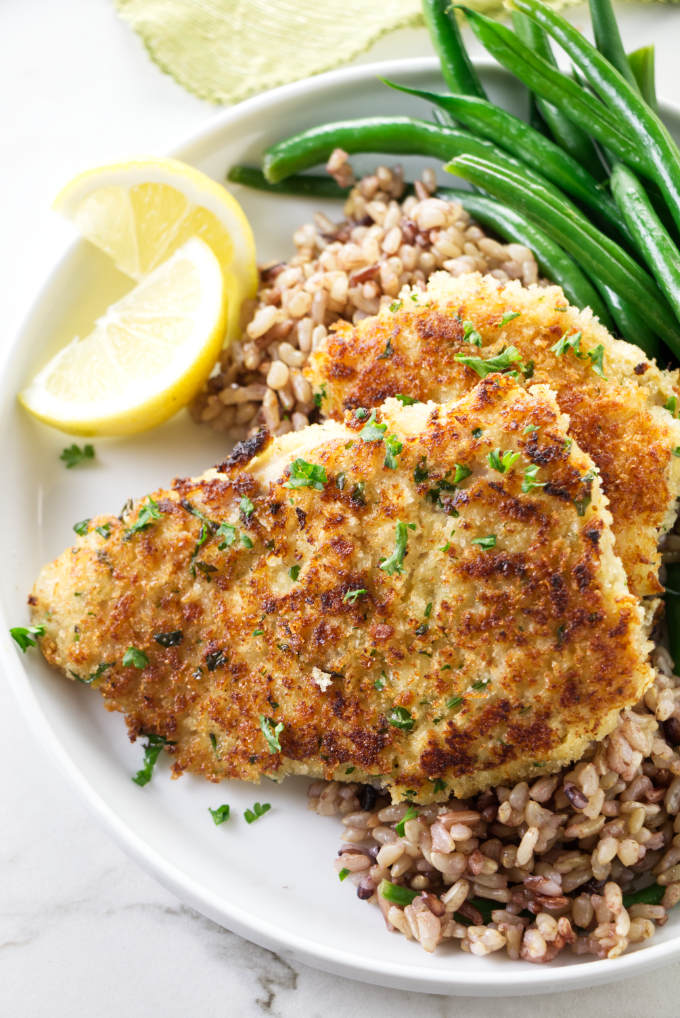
<point x="83" y="931"/>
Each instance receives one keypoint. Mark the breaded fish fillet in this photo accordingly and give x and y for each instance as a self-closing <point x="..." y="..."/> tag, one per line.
<point x="613" y="394"/>
<point x="427" y="598"/>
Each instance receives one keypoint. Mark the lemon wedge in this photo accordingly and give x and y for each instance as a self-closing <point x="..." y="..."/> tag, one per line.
<point x="140" y="212"/>
<point x="146" y="357"/>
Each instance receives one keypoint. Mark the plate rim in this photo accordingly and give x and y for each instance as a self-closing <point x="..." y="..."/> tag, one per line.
<point x="494" y="980"/>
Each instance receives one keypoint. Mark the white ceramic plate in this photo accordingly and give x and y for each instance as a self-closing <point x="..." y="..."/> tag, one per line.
<point x="272" y="882"/>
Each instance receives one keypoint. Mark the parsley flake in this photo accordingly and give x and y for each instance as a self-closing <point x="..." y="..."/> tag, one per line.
<point x="379" y="683"/>
<point x="530" y="428"/>
<point x="421" y="473"/>
<point x="410" y="814"/>
<point x="228" y="532"/>
<point x="396" y="305"/>
<point x="455" y="701"/>
<point x="470" y="334"/>
<point x="271" y="732"/>
<point x="152" y="749"/>
<point x="393" y="564"/>
<point x="568" y="342"/>
<point x="104" y="530"/>
<point x="246" y="507"/>
<point x="259" y="809"/>
<point x="294" y="572"/>
<point x="502" y="461"/>
<point x="509" y="316"/>
<point x="146" y="516"/>
<point x="406" y="400"/>
<point x="529" y="481"/>
<point x="676" y="451"/>
<point x="477" y="432"/>
<point x="399" y="717"/>
<point x="135" y="658"/>
<point x="393" y="447"/>
<point x="461" y="472"/>
<point x="352" y="595"/>
<point x="82" y="527"/>
<point x="485" y="543"/>
<point x="671" y="405"/>
<point x="320" y="396"/>
<point x="373" y="431"/>
<point x="596" y="357"/>
<point x="73" y="455"/>
<point x="439" y="785"/>
<point x="503" y="361"/>
<point x="387" y="352"/>
<point x="343" y="874"/>
<point x="306" y="475"/>
<point x="22" y="636"/>
<point x="93" y="676"/>
<point x="220" y="814"/>
<point x="585" y="500"/>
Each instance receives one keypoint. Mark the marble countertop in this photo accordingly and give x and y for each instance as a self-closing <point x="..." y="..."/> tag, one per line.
<point x="83" y="931"/>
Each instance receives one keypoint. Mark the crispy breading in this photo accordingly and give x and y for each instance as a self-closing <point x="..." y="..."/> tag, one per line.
<point x="617" y="415"/>
<point x="416" y="618"/>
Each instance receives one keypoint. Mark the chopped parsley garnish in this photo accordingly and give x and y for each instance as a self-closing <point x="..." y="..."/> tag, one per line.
<point x="246" y="541"/>
<point x="344" y="872"/>
<point x="73" y="455"/>
<point x="480" y="684"/>
<point x="216" y="659"/>
<point x="81" y="528"/>
<point x="213" y="742"/>
<point x="504" y="361"/>
<point x="379" y="684"/>
<point x="271" y="732"/>
<point x="421" y="473"/>
<point x="422" y="629"/>
<point x="508" y="317"/>
<point x="410" y="814"/>
<point x="396" y="305"/>
<point x="320" y="396"/>
<point x="529" y="481"/>
<point x="477" y="432"/>
<point x="439" y="785"/>
<point x="361" y="414"/>
<point x="583" y="503"/>
<point x="306" y="475"/>
<point x="246" y="507"/>
<point x="399" y="717"/>
<point x="393" y="564"/>
<point x="568" y="342"/>
<point x="671" y="405"/>
<point x="395" y="893"/>
<point x="470" y="334"/>
<point x="23" y="636"/>
<point x="455" y="701"/>
<point x="357" y="494"/>
<point x="93" y="676"/>
<point x="259" y="809"/>
<point x="502" y="461"/>
<point x="596" y="356"/>
<point x="228" y="532"/>
<point x="485" y="542"/>
<point x="104" y="530"/>
<point x="147" y="514"/>
<point x="294" y="572"/>
<point x="387" y="352"/>
<point x="352" y="595"/>
<point x="220" y="814"/>
<point x="258" y="632"/>
<point x="530" y="428"/>
<point x="373" y="431"/>
<point x="676" y="451"/>
<point x="461" y="472"/>
<point x="428" y="609"/>
<point x="392" y="449"/>
<point x="135" y="658"/>
<point x="202" y="538"/>
<point x="169" y="639"/>
<point x="152" y="749"/>
<point x="406" y="400"/>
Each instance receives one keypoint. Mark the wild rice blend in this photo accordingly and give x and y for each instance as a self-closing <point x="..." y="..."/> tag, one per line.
<point x="531" y="869"/>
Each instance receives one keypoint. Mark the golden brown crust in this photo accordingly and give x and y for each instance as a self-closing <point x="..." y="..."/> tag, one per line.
<point x="505" y="656"/>
<point x="619" y="419"/>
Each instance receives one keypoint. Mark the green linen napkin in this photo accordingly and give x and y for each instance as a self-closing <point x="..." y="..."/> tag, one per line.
<point x="225" y="50"/>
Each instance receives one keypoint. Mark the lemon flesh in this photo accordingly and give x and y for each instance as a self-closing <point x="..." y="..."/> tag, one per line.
<point x="146" y="357"/>
<point x="141" y="212"/>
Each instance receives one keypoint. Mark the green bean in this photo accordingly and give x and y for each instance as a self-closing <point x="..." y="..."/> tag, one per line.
<point x="457" y="68"/>
<point x="629" y="324"/>
<point x="402" y="135"/>
<point x="311" y="186"/>
<point x="642" y="65"/>
<point x="653" y="138"/>
<point x="652" y="239"/>
<point x="582" y="107"/>
<point x="568" y="135"/>
<point x="552" y="261"/>
<point x="673" y="612"/>
<point x="600" y="257"/>
<point x="608" y="38"/>
<point x="517" y="137"/>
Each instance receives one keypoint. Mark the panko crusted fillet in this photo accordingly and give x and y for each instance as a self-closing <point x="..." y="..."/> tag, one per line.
<point x="613" y="394"/>
<point x="427" y="626"/>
